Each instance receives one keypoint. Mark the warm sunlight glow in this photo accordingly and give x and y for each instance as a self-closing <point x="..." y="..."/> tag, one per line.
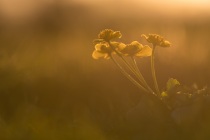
<point x="23" y="9"/>
<point x="185" y="3"/>
<point x="104" y="69"/>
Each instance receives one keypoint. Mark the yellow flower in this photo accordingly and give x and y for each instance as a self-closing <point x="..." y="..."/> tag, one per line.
<point x="157" y="40"/>
<point x="103" y="50"/>
<point x="117" y="45"/>
<point x="135" y="49"/>
<point x="109" y="34"/>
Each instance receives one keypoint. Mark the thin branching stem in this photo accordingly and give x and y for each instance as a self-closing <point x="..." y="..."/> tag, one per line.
<point x="128" y="76"/>
<point x="153" y="71"/>
<point x="139" y="73"/>
<point x="127" y="64"/>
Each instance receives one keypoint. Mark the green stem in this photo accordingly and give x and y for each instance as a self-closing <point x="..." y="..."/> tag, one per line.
<point x="128" y="76"/>
<point x="127" y="64"/>
<point x="139" y="73"/>
<point x="153" y="71"/>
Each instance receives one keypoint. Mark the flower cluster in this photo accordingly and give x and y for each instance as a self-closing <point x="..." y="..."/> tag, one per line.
<point x="174" y="95"/>
<point x="105" y="46"/>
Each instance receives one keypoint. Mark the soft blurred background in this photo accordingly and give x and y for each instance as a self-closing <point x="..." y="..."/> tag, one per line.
<point x="51" y="88"/>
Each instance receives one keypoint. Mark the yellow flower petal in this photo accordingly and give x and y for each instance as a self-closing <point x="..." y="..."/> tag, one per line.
<point x="136" y="43"/>
<point x="131" y="49"/>
<point x="97" y="41"/>
<point x="116" y="34"/>
<point x="98" y="46"/>
<point x="103" y="48"/>
<point x="166" y="44"/>
<point x="106" y="56"/>
<point x="146" y="51"/>
<point x="97" y="54"/>
<point x="118" y="45"/>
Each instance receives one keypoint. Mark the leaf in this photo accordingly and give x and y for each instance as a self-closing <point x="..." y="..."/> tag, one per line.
<point x="164" y="94"/>
<point x="171" y="83"/>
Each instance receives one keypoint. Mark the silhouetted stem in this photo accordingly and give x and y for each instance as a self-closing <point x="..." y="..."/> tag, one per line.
<point x="127" y="64"/>
<point x="139" y="73"/>
<point x="153" y="71"/>
<point x="128" y="76"/>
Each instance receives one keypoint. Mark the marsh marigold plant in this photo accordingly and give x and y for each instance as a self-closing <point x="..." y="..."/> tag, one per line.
<point x="107" y="47"/>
